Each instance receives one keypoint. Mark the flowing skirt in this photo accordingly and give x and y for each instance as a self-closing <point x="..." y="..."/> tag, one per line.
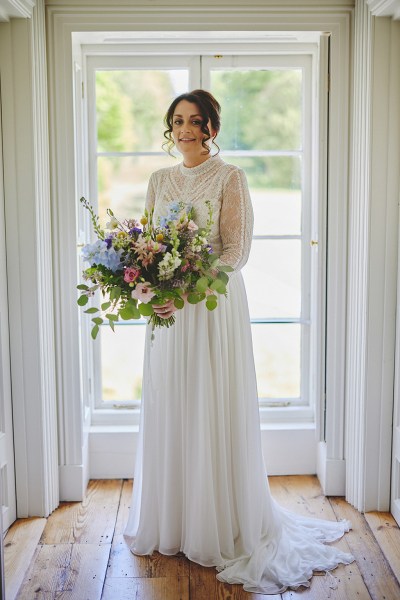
<point x="200" y="484"/>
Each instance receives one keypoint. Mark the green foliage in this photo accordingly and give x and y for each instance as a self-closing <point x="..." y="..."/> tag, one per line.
<point x="130" y="109"/>
<point x="261" y="110"/>
<point x="179" y="303"/>
<point x="82" y="300"/>
<point x="146" y="310"/>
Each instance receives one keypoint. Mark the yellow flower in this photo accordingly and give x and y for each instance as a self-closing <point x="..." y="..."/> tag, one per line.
<point x="159" y="237"/>
<point x="122" y="234"/>
<point x="143" y="221"/>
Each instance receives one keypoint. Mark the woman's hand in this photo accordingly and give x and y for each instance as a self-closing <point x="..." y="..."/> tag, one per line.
<point x="165" y="311"/>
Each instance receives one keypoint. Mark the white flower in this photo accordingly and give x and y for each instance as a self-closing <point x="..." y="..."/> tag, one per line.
<point x="198" y="243"/>
<point x="169" y="263"/>
<point x="112" y="223"/>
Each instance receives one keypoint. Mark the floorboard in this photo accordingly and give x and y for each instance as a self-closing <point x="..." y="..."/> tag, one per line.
<point x="20" y="545"/>
<point x="387" y="534"/>
<point x="374" y="568"/>
<point x="80" y="553"/>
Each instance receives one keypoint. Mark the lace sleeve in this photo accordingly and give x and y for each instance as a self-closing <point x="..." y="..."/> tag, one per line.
<point x="236" y="221"/>
<point x="151" y="193"/>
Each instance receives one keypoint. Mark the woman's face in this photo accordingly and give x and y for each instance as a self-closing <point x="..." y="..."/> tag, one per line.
<point x="186" y="130"/>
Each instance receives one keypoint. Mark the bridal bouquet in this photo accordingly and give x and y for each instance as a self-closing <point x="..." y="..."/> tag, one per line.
<point x="136" y="264"/>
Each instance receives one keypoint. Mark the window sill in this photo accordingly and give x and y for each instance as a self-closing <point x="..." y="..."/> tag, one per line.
<point x="270" y="418"/>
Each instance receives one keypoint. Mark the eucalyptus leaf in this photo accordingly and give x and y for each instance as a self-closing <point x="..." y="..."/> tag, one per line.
<point x="146" y="309"/>
<point x="91" y="310"/>
<point x="218" y="286"/>
<point x="125" y="314"/>
<point x="97" y="320"/>
<point x="95" y="331"/>
<point x="112" y="317"/>
<point x="195" y="298"/>
<point x="211" y="304"/>
<point x="111" y="324"/>
<point x="115" y="293"/>
<point x="223" y="277"/>
<point x="179" y="303"/>
<point x="202" y="284"/>
<point x="105" y="305"/>
<point x="82" y="286"/>
<point x="225" y="268"/>
<point x="82" y="300"/>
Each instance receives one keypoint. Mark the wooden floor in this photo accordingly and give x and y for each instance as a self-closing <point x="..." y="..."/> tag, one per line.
<point x="79" y="553"/>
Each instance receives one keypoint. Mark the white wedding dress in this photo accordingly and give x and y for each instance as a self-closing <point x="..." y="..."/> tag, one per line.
<point x="200" y="484"/>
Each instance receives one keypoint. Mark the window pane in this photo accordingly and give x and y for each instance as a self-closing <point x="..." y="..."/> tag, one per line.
<point x="275" y="189"/>
<point x="122" y="362"/>
<point x="261" y="109"/>
<point x="131" y="105"/>
<point x="273" y="278"/>
<point x="122" y="183"/>
<point x="277" y="358"/>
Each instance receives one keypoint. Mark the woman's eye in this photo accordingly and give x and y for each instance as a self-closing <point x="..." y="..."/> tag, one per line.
<point x="178" y="122"/>
<point x="196" y="122"/>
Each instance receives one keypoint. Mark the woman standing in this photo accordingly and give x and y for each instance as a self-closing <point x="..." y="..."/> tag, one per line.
<point x="200" y="483"/>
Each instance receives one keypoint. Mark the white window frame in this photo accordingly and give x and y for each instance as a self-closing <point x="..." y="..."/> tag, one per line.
<point x="172" y="56"/>
<point x="304" y="406"/>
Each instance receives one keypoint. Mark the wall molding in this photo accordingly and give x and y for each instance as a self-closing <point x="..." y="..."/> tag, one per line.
<point x="16" y="8"/>
<point x="45" y="288"/>
<point x="373" y="241"/>
<point x="29" y="263"/>
<point x="384" y="8"/>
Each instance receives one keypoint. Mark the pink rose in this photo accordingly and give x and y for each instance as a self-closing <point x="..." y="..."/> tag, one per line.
<point x="131" y="274"/>
<point x="143" y="292"/>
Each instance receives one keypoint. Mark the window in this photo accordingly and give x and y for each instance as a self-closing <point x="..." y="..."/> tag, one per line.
<point x="267" y="129"/>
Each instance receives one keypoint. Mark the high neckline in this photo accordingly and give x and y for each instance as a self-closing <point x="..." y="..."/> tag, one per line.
<point x="202" y="167"/>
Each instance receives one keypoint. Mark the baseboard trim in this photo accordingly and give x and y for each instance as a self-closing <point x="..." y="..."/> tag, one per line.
<point x="73" y="483"/>
<point x="331" y="472"/>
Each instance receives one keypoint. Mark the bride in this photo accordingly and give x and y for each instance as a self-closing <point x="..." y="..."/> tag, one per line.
<point x="200" y="484"/>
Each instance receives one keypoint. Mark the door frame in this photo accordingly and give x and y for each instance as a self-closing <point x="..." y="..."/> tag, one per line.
<point x="64" y="22"/>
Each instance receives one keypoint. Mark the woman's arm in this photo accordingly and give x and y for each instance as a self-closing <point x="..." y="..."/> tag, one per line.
<point x="236" y="221"/>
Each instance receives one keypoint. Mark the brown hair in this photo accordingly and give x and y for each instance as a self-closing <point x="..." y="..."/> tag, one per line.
<point x="209" y="109"/>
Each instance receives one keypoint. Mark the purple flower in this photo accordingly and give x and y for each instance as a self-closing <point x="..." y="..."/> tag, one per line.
<point x="135" y="230"/>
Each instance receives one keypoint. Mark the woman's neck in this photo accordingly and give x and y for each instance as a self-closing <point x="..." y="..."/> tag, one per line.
<point x="194" y="161"/>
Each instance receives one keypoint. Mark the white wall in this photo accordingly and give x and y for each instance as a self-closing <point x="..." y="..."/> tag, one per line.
<point x="28" y="232"/>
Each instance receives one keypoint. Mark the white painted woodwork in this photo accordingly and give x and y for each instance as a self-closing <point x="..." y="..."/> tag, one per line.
<point x="64" y="21"/>
<point x="373" y="239"/>
<point x="29" y="262"/>
<point x="288" y="449"/>
<point x="394" y="187"/>
<point x="7" y="474"/>
<point x="15" y="8"/>
<point x="384" y="8"/>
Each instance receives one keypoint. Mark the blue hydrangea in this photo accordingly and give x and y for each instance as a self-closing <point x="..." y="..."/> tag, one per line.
<point x="99" y="254"/>
<point x="173" y="212"/>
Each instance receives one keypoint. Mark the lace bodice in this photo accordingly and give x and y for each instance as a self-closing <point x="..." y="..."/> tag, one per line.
<point x="226" y="187"/>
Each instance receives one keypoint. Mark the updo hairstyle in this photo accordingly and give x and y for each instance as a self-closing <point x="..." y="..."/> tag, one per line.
<point x="209" y="109"/>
